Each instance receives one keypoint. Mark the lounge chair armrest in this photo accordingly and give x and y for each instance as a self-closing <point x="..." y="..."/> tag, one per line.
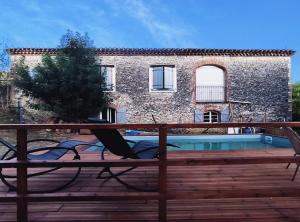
<point x="101" y="146"/>
<point x="149" y="148"/>
<point x="87" y="144"/>
<point x="155" y="147"/>
<point x="50" y="148"/>
<point x="56" y="148"/>
<point x="130" y="141"/>
<point x="172" y="145"/>
<point x="6" y="154"/>
<point x="56" y="141"/>
<point x="43" y="140"/>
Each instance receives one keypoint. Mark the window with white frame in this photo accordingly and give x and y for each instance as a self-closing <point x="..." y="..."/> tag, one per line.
<point x="107" y="74"/>
<point x="162" y="78"/>
<point x="211" y="117"/>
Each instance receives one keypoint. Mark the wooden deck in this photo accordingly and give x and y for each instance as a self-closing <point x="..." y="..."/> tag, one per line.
<point x="206" y="180"/>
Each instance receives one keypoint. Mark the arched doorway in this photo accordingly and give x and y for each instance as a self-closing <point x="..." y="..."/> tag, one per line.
<point x="210" y="84"/>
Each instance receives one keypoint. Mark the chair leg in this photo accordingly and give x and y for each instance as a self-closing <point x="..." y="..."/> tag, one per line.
<point x="295" y="173"/>
<point x="107" y="169"/>
<point x="290" y="163"/>
<point x="116" y="176"/>
<point x="99" y="176"/>
<point x="128" y="186"/>
<point x="76" y="157"/>
<point x="11" y="187"/>
<point x="62" y="186"/>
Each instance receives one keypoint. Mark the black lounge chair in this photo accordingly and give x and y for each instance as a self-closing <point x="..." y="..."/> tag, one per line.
<point x="295" y="141"/>
<point x="114" y="142"/>
<point x="53" y="153"/>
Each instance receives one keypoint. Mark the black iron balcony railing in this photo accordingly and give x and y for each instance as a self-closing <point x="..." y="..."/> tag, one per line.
<point x="210" y="94"/>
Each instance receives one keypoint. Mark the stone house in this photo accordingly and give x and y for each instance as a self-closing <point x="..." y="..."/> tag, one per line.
<point x="190" y="85"/>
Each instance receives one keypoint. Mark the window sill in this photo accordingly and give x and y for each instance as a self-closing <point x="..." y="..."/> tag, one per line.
<point x="163" y="91"/>
<point x="211" y="101"/>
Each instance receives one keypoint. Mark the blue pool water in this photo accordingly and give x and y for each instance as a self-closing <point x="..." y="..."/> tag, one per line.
<point x="218" y="142"/>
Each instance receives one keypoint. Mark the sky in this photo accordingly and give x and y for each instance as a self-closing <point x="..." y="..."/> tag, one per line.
<point x="235" y="24"/>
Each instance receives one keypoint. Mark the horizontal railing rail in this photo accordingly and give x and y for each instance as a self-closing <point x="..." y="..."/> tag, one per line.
<point x="22" y="164"/>
<point x="171" y="162"/>
<point x="149" y="126"/>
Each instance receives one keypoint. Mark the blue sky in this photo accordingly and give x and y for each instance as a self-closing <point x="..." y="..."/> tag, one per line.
<point x="240" y="24"/>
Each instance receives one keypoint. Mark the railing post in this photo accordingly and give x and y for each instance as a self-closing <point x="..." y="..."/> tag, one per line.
<point x="163" y="131"/>
<point x="22" y="215"/>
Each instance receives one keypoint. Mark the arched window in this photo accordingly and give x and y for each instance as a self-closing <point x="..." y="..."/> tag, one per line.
<point x="210" y="84"/>
<point x="109" y="114"/>
<point x="211" y="117"/>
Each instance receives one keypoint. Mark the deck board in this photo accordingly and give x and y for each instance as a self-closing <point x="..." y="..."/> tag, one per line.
<point x="231" y="178"/>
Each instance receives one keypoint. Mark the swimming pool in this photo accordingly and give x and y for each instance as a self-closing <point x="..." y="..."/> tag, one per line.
<point x="218" y="142"/>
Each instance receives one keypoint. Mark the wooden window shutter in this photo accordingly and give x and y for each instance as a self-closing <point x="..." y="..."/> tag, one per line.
<point x="121" y="115"/>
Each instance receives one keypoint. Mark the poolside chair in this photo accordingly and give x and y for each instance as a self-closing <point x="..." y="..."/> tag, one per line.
<point x="295" y="141"/>
<point x="52" y="153"/>
<point x="116" y="144"/>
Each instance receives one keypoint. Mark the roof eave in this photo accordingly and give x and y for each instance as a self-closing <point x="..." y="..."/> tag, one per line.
<point x="162" y="52"/>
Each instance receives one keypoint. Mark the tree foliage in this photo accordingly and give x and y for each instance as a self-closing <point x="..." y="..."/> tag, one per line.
<point x="4" y="58"/>
<point x="68" y="84"/>
<point x="296" y="102"/>
<point x="5" y="86"/>
<point x="5" y="78"/>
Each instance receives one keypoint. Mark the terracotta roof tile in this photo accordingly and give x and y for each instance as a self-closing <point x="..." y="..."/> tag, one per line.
<point x="162" y="52"/>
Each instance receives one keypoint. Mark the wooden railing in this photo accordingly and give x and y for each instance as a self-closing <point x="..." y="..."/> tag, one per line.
<point x="22" y="164"/>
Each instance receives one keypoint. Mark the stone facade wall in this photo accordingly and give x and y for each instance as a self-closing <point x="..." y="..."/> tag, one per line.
<point x="262" y="82"/>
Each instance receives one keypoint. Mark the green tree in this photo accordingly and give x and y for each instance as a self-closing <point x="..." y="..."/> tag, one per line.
<point x="4" y="58"/>
<point x="5" y="86"/>
<point x="296" y="102"/>
<point x="68" y="84"/>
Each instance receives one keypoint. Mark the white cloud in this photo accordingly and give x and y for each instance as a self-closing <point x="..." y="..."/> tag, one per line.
<point x="167" y="33"/>
<point x="155" y="21"/>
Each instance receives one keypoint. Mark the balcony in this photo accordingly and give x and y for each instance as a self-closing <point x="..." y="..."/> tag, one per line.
<point x="210" y="94"/>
